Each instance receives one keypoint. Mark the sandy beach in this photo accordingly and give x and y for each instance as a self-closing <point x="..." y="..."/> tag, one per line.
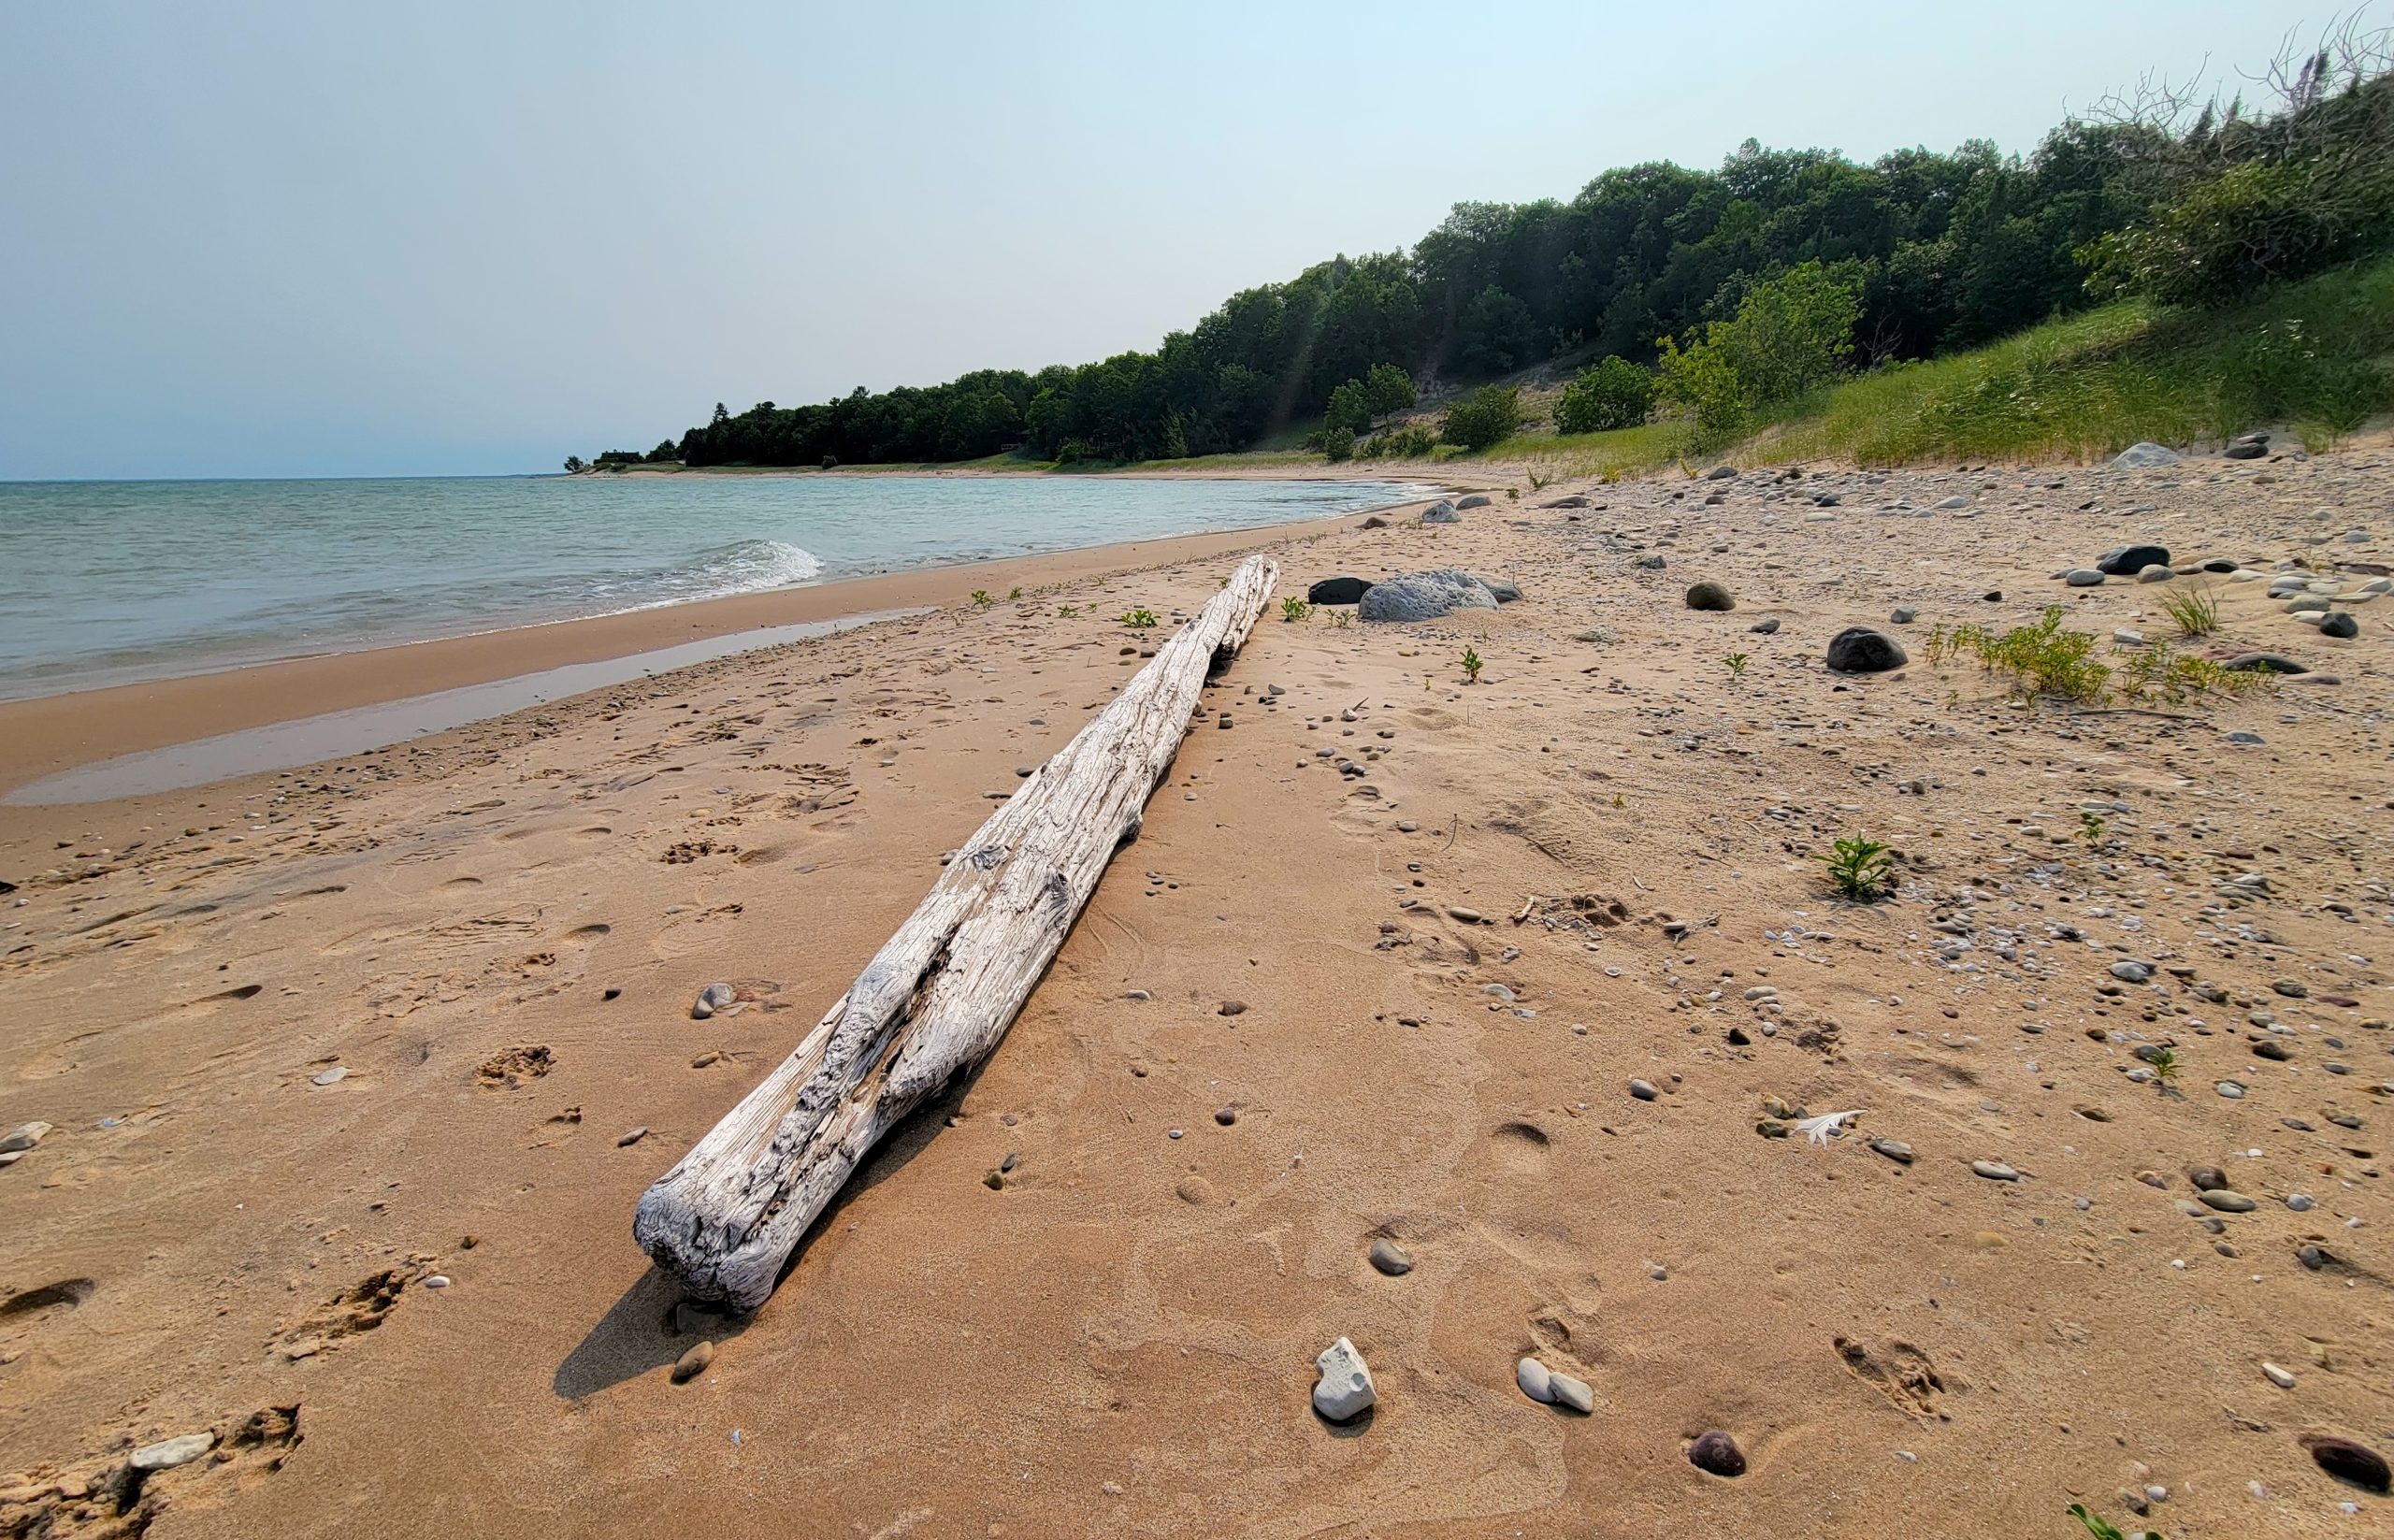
<point x="355" y="1072"/>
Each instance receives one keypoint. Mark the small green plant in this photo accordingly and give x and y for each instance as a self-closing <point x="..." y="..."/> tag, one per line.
<point x="1860" y="868"/>
<point x="2165" y="1065"/>
<point x="1472" y="664"/>
<point x="1141" y="619"/>
<point x="1736" y="664"/>
<point x="1066" y="612"/>
<point x="1294" y="608"/>
<point x="1341" y="619"/>
<point x="2090" y="831"/>
<point x="1014" y="593"/>
<point x="981" y="599"/>
<point x="2101" y="1528"/>
<point x="1541" y="480"/>
<point x="2196" y="612"/>
<point x="1512" y="494"/>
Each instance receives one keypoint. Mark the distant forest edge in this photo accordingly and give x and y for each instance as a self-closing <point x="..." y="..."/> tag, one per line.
<point x="1704" y="298"/>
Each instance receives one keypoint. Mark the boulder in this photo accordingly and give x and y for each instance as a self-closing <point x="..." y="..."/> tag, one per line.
<point x="2244" y="449"/>
<point x="1859" y="650"/>
<point x="1720" y="473"/>
<point x="1708" y="595"/>
<point x="1441" y="512"/>
<point x="2122" y="561"/>
<point x="1478" y="500"/>
<point x="2339" y="625"/>
<point x="1424" y="595"/>
<point x="2144" y="457"/>
<point x="1374" y="522"/>
<point x="1504" y="592"/>
<point x="1337" y="591"/>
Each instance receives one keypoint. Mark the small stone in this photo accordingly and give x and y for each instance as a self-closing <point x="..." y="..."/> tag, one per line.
<point x="2340" y="626"/>
<point x="1718" y="1453"/>
<point x="1535" y="1380"/>
<point x="2207" y="1179"/>
<point x="1225" y="1116"/>
<point x="2349" y="1461"/>
<point x="2131" y="973"/>
<point x="714" y="998"/>
<point x="333" y="1076"/>
<point x="1461" y="915"/>
<point x="1903" y="614"/>
<point x="1894" y="1149"/>
<point x="2228" y="1201"/>
<point x="1643" y="1091"/>
<point x="438" y="1280"/>
<point x="2231" y="1089"/>
<point x="2273" y="663"/>
<point x="167" y="1453"/>
<point x="693" y="1363"/>
<point x="24" y="1137"/>
<point x="1345" y="1389"/>
<point x="1391" y="1257"/>
<point x="1708" y="595"/>
<point x="1570" y="1393"/>
<point x="632" y="1137"/>
<point x="1767" y="625"/>
<point x="1770" y="1128"/>
<point x="2290" y="988"/>
<point x="2277" y="1376"/>
<point x="2082" y="577"/>
<point x="1230" y="1008"/>
<point x="2127" y="560"/>
<point x="1859" y="650"/>
<point x="1994" y="1170"/>
<point x="2302" y="1202"/>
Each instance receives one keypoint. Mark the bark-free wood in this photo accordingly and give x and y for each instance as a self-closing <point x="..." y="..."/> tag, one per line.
<point x="939" y="995"/>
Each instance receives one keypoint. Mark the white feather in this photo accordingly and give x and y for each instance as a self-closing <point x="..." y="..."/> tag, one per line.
<point x="1818" y="1130"/>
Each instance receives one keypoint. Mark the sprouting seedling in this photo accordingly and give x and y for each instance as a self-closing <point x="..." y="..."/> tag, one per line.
<point x="1818" y="1130"/>
<point x="2165" y="1065"/>
<point x="981" y="599"/>
<point x="1294" y="608"/>
<point x="1472" y="664"/>
<point x="1141" y="619"/>
<point x="1736" y="663"/>
<point x="2101" y="1528"/>
<point x="1015" y="592"/>
<point x="1860" y="868"/>
<point x="1066" y="612"/>
<point x="2090" y="831"/>
<point x="1340" y="620"/>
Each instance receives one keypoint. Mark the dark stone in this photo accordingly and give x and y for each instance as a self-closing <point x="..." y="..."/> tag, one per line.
<point x="1374" y="522"/>
<point x="2207" y="1179"/>
<point x="1859" y="650"/>
<point x="1478" y="500"/>
<point x="1504" y="592"/>
<point x="1738" y="1037"/>
<point x="2243" y="451"/>
<point x="1337" y="591"/>
<point x="1993" y="595"/>
<point x="2219" y="564"/>
<point x="1720" y="473"/>
<point x="1709" y="594"/>
<point x="1718" y="1453"/>
<point x="1767" y="625"/>
<point x="2339" y="625"/>
<point x="2127" y="561"/>
<point x="2265" y="663"/>
<point x="2349" y="1461"/>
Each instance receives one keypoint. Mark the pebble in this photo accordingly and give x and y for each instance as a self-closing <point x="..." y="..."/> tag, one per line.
<point x="1391" y="1257"/>
<point x="167" y="1453"/>
<point x="1716" y="1452"/>
<point x="2300" y="1202"/>
<point x="1230" y="1008"/>
<point x="1768" y="626"/>
<point x="2228" y="1201"/>
<point x="714" y="998"/>
<point x="1461" y="915"/>
<point x="2131" y="973"/>
<point x="333" y="1076"/>
<point x="2277" y="1376"/>
<point x="439" y="1280"/>
<point x="1345" y="1389"/>
<point x="2082" y="577"/>
<point x="1535" y="1380"/>
<point x="1894" y="1149"/>
<point x="632" y="1137"/>
<point x="1226" y="1115"/>
<point x="693" y="1363"/>
<point x="2231" y="1090"/>
<point x="1570" y="1393"/>
<point x="1643" y="1091"/>
<point x="1994" y="1170"/>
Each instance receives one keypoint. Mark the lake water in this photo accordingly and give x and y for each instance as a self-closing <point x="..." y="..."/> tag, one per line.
<point x="105" y="581"/>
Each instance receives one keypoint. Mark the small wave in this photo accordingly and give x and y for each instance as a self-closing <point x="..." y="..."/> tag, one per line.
<point x="744" y="566"/>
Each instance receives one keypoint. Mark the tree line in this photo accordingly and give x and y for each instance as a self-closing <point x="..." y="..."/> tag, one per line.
<point x="1685" y="277"/>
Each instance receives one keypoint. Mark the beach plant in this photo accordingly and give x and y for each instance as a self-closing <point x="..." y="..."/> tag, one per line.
<point x="2164" y="1064"/>
<point x="1294" y="608"/>
<point x="981" y="599"/>
<point x="2195" y="611"/>
<point x="1861" y="868"/>
<point x="1066" y="612"/>
<point x="2101" y="1528"/>
<point x="2090" y="831"/>
<point x="1014" y="593"/>
<point x="2158" y="674"/>
<point x="1736" y="663"/>
<point x="1140" y="619"/>
<point x="1472" y="664"/>
<point x="1341" y="619"/>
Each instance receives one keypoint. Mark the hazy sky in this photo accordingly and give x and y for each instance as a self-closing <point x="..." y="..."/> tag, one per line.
<point x="333" y="238"/>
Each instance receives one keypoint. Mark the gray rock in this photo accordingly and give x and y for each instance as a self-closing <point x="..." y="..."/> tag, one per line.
<point x="1766" y="627"/>
<point x="1708" y="595"/>
<point x="2339" y="625"/>
<point x="1994" y="1170"/>
<point x="2155" y="573"/>
<point x="2082" y="577"/>
<point x="1570" y="1393"/>
<point x="1345" y="1389"/>
<point x="1859" y="650"/>
<point x="1652" y="564"/>
<point x="1441" y="512"/>
<point x="1535" y="1380"/>
<point x="1947" y="504"/>
<point x="2127" y="637"/>
<point x="2243" y="451"/>
<point x="1904" y="615"/>
<point x="714" y="998"/>
<point x="2126" y="560"/>
<point x="1643" y="1091"/>
<point x="1424" y="595"/>
<point x="2131" y="973"/>
<point x="1503" y="591"/>
<point x="2144" y="457"/>
<point x="333" y="1076"/>
<point x="167" y="1453"/>
<point x="1720" y="473"/>
<point x="2228" y="1201"/>
<point x="1477" y="499"/>
<point x="1894" y="1149"/>
<point x="24" y="1137"/>
<point x="1391" y="1257"/>
<point x="2232" y="1090"/>
<point x="2266" y="662"/>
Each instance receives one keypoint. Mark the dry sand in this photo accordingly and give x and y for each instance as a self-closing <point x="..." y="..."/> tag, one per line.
<point x="1120" y="1339"/>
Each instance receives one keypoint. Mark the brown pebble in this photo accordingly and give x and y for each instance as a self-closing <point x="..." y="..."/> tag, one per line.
<point x="1226" y="1117"/>
<point x="632" y="1137"/>
<point x="1231" y="1008"/>
<point x="1718" y="1453"/>
<point x="693" y="1363"/>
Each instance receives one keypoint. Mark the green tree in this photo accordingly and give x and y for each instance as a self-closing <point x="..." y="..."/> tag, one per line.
<point x="1389" y="388"/>
<point x="1790" y="336"/>
<point x="1350" y="410"/>
<point x="1487" y="416"/>
<point x="1337" y="443"/>
<point x="1615" y="393"/>
<point x="1497" y="333"/>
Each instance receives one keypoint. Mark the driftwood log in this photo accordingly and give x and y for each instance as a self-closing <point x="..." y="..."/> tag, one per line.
<point x="936" y="998"/>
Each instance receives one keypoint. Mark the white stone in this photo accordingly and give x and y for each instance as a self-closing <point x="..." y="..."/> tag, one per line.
<point x="1345" y="1389"/>
<point x="2278" y="1377"/>
<point x="24" y="1137"/>
<point x="1535" y="1380"/>
<point x="1570" y="1393"/>
<point x="167" y="1454"/>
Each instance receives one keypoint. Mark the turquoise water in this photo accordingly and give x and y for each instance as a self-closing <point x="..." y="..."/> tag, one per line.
<point x="105" y="581"/>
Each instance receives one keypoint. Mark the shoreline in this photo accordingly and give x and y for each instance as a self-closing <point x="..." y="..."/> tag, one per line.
<point x="42" y="736"/>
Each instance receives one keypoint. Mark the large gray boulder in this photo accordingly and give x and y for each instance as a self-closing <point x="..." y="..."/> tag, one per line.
<point x="1478" y="500"/>
<point x="1441" y="512"/>
<point x="2143" y="457"/>
<point x="1424" y="595"/>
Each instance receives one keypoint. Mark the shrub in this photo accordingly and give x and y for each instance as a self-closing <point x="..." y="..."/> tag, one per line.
<point x="1350" y="408"/>
<point x="1486" y="417"/>
<point x="1388" y="389"/>
<point x="1405" y="443"/>
<point x="1337" y="443"/>
<point x="1615" y="393"/>
<point x="1791" y="336"/>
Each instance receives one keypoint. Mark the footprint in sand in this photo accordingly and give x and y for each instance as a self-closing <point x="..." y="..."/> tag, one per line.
<point x="1522" y="1146"/>
<point x="1902" y="1372"/>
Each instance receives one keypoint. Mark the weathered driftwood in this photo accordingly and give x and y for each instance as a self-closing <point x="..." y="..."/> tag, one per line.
<point x="939" y="995"/>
